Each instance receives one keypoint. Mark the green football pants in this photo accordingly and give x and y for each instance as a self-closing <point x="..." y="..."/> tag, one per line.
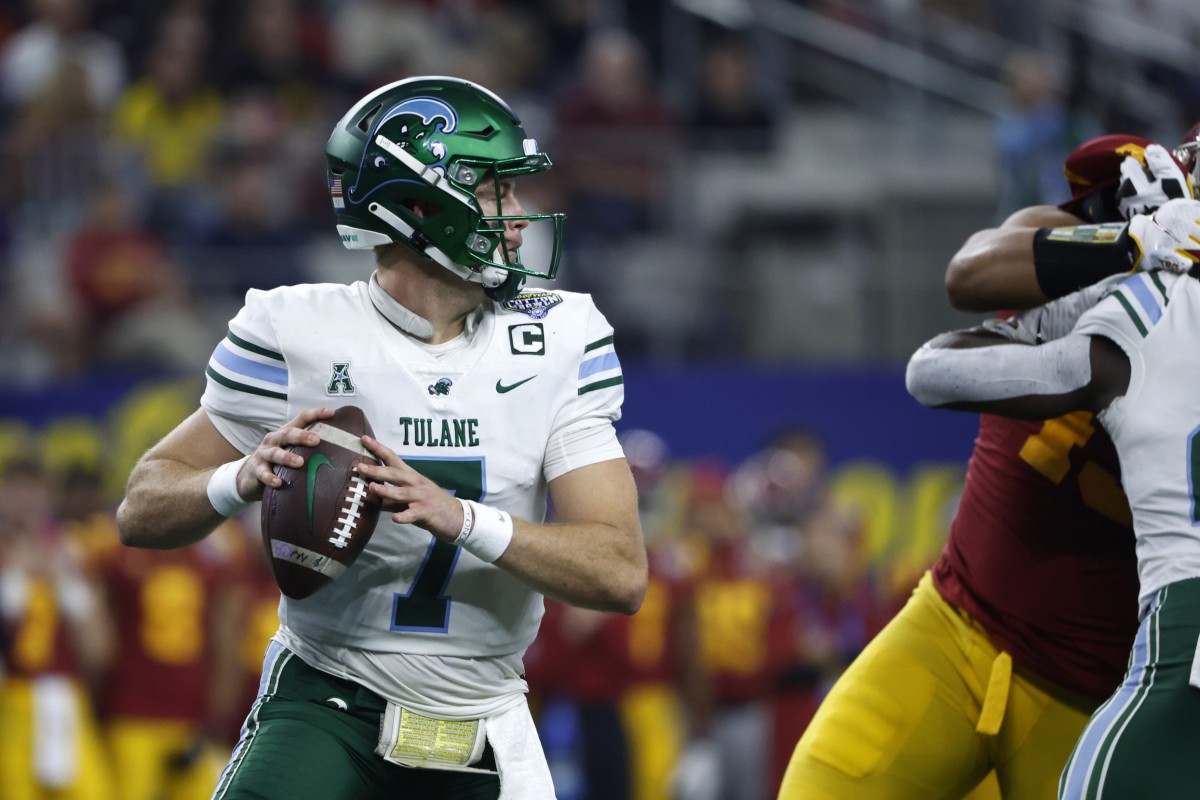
<point x="312" y="736"/>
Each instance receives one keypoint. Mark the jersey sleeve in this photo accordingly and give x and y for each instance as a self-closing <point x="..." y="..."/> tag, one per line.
<point x="246" y="393"/>
<point x="1129" y="312"/>
<point x="596" y="404"/>
<point x="1127" y="316"/>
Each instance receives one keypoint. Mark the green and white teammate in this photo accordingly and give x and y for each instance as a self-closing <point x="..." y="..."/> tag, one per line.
<point x="403" y="677"/>
<point x="1131" y="358"/>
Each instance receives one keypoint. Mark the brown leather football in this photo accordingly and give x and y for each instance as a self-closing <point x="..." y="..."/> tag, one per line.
<point x="317" y="523"/>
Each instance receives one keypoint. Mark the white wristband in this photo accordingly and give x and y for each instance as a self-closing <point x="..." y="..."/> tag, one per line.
<point x="223" y="491"/>
<point x="489" y="532"/>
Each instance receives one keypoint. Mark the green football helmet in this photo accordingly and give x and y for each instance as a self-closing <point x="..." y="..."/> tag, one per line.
<point x="436" y="142"/>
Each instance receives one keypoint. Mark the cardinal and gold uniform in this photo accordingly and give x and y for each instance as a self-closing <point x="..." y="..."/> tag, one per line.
<point x="1005" y="648"/>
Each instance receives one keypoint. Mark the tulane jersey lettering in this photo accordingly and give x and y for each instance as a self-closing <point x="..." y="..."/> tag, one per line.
<point x="426" y="432"/>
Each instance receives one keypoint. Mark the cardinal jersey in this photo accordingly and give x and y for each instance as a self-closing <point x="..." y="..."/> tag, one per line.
<point x="1155" y="318"/>
<point x="493" y="416"/>
<point x="1041" y="551"/>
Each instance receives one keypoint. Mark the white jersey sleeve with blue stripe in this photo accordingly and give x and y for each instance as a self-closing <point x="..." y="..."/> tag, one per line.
<point x="577" y="439"/>
<point x="246" y="394"/>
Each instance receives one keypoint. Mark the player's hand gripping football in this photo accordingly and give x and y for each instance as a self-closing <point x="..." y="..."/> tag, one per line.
<point x="1145" y="187"/>
<point x="1168" y="239"/>
<point x="412" y="498"/>
<point x="259" y="469"/>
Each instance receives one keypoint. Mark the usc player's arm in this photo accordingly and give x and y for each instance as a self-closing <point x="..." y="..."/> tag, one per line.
<point x="994" y="268"/>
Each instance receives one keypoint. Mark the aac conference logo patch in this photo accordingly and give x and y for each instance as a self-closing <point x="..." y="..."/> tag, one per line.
<point x="527" y="340"/>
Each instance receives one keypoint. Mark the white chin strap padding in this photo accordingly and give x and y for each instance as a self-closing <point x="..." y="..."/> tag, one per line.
<point x="491" y="277"/>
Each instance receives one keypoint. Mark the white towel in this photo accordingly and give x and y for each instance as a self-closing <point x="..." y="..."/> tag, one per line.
<point x="524" y="774"/>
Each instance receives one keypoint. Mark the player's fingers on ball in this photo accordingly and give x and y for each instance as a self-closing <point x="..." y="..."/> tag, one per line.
<point x="280" y="455"/>
<point x="266" y="475"/>
<point x="382" y="452"/>
<point x="385" y="491"/>
<point x="310" y="415"/>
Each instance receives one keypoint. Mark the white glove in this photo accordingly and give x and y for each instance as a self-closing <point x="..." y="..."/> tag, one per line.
<point x="1168" y="239"/>
<point x="1146" y="187"/>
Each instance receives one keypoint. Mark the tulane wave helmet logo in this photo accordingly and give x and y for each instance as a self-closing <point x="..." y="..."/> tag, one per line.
<point x="442" y="387"/>
<point x="420" y="124"/>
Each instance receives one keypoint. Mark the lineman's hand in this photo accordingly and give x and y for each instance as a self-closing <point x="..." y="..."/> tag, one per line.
<point x="412" y="498"/>
<point x="1168" y="239"/>
<point x="1146" y="187"/>
<point x="259" y="470"/>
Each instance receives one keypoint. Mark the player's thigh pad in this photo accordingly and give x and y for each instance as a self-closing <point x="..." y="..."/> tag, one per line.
<point x="900" y="722"/>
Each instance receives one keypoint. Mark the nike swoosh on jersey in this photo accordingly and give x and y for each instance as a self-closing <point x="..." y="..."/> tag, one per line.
<point x="501" y="388"/>
<point x="314" y="465"/>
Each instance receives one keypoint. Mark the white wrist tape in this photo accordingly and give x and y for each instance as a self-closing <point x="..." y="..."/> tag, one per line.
<point x="223" y="491"/>
<point x="486" y="531"/>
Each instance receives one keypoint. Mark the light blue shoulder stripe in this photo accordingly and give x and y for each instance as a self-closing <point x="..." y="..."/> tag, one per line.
<point x="600" y="363"/>
<point x="247" y="368"/>
<point x="1145" y="297"/>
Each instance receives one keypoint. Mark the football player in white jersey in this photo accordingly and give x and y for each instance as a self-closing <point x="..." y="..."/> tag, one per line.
<point x="403" y="678"/>
<point x="1129" y="358"/>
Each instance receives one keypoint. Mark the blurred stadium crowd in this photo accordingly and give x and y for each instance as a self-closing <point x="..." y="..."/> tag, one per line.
<point x="161" y="158"/>
<point x="158" y="159"/>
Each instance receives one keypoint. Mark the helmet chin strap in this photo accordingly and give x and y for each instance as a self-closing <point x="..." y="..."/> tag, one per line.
<point x="489" y="276"/>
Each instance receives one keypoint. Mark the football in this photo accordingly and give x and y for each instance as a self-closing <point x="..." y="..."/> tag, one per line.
<point x="319" y="521"/>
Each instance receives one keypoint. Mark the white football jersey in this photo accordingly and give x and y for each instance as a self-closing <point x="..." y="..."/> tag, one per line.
<point x="485" y="416"/>
<point x="1155" y="318"/>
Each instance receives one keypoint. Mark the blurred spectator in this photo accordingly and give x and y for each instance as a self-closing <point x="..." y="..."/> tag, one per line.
<point x="56" y="40"/>
<point x="566" y="26"/>
<point x="580" y="667"/>
<point x="57" y="79"/>
<point x="745" y="634"/>
<point x="614" y="140"/>
<point x="278" y="48"/>
<point x="780" y="487"/>
<point x="58" y="640"/>
<point x="623" y="694"/>
<point x="730" y="112"/>
<point x="375" y="42"/>
<point x="508" y="53"/>
<point x="837" y="610"/>
<point x="257" y="241"/>
<point x="130" y="304"/>
<point x="170" y="700"/>
<point x="1034" y="138"/>
<point x="165" y="125"/>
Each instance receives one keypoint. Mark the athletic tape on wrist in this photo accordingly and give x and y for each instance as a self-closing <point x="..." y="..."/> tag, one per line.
<point x="223" y="491"/>
<point x="490" y="532"/>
